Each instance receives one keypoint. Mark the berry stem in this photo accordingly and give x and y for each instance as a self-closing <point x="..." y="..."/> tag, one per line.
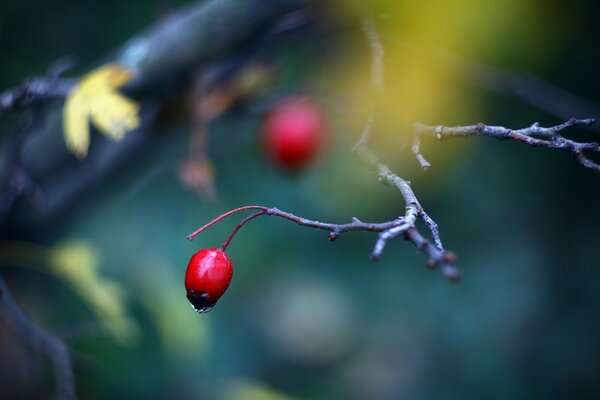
<point x="192" y="235"/>
<point x="237" y="228"/>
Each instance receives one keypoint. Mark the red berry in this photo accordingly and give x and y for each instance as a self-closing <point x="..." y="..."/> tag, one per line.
<point x="293" y="132"/>
<point x="207" y="277"/>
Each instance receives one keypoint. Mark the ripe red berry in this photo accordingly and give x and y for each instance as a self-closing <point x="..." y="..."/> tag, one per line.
<point x="207" y="277"/>
<point x="293" y="132"/>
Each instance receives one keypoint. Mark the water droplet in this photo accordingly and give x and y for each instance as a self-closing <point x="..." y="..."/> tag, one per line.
<point x="200" y="302"/>
<point x="202" y="310"/>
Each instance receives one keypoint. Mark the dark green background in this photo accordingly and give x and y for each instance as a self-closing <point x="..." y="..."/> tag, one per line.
<point x="310" y="318"/>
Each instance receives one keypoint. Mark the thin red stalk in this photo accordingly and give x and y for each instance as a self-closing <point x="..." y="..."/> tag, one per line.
<point x="192" y="235"/>
<point x="237" y="228"/>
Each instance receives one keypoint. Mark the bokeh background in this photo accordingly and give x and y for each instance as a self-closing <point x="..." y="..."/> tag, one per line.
<point x="305" y="318"/>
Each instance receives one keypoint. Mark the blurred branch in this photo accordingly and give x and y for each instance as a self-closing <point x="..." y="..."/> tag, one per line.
<point x="534" y="135"/>
<point x="37" y="95"/>
<point x="377" y="52"/>
<point x="530" y="88"/>
<point x="196" y="33"/>
<point x="162" y="60"/>
<point x="40" y="90"/>
<point x="17" y="179"/>
<point x="34" y="91"/>
<point x="202" y="31"/>
<point x="38" y="338"/>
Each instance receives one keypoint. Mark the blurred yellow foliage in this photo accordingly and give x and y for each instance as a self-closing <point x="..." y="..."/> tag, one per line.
<point x="183" y="334"/>
<point x="77" y="262"/>
<point x="421" y="81"/>
<point x="96" y="99"/>
<point x="251" y="390"/>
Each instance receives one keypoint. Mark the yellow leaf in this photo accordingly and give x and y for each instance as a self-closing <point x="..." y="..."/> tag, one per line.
<point x="114" y="115"/>
<point x="77" y="134"/>
<point x="95" y="98"/>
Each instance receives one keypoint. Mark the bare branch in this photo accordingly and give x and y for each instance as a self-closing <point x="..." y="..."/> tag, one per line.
<point x="37" y="337"/>
<point x="401" y="226"/>
<point x="535" y="136"/>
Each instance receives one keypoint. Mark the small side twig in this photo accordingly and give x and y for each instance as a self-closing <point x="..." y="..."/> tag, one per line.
<point x="534" y="135"/>
<point x="37" y="337"/>
<point x="416" y="149"/>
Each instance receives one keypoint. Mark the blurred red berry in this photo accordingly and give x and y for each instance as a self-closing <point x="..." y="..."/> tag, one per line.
<point x="207" y="277"/>
<point x="294" y="131"/>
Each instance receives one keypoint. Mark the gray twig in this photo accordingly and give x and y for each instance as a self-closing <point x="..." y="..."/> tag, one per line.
<point x="416" y="149"/>
<point x="535" y="136"/>
<point x="401" y="226"/>
<point x="406" y="225"/>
